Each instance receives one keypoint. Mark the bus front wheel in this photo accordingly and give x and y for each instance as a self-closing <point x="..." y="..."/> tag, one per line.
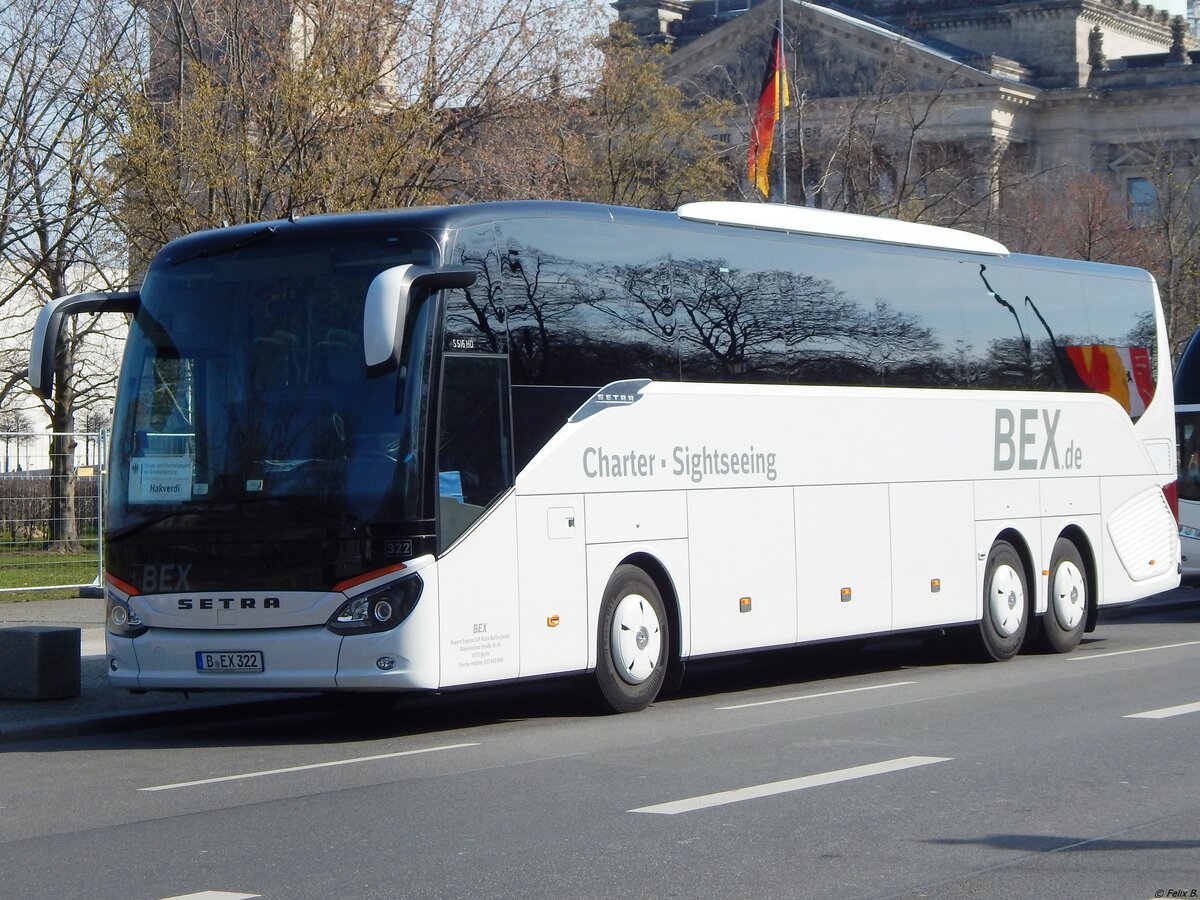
<point x="1005" y="603"/>
<point x="1066" y="611"/>
<point x="631" y="644"/>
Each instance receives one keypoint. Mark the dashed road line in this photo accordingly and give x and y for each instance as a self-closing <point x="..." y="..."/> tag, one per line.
<point x="1166" y="712"/>
<point x="306" y="768"/>
<point x="1081" y="657"/>
<point x="873" y="687"/>
<point x="755" y="792"/>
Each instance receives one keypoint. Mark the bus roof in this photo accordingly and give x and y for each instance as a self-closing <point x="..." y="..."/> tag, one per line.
<point x="767" y="217"/>
<point x="828" y="223"/>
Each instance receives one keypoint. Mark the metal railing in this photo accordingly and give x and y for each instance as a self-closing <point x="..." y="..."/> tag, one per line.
<point x="50" y="541"/>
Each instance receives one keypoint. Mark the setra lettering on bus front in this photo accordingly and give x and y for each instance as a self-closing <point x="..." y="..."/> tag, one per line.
<point x="186" y="603"/>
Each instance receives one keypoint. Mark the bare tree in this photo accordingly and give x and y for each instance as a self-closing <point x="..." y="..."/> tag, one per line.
<point x="1084" y="217"/>
<point x="887" y="149"/>
<point x="650" y="144"/>
<point x="1078" y="218"/>
<point x="59" y="115"/>
<point x="1172" y="219"/>
<point x="628" y="138"/>
<point x="324" y="106"/>
<point x="14" y="432"/>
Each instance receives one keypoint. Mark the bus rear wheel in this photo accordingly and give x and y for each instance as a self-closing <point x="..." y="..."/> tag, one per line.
<point x="1005" y="603"/>
<point x="1066" y="611"/>
<point x="631" y="641"/>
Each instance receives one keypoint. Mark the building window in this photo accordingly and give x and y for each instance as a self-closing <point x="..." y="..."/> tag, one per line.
<point x="1143" y="200"/>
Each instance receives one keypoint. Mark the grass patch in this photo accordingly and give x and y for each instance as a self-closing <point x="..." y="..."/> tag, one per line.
<point x="32" y="569"/>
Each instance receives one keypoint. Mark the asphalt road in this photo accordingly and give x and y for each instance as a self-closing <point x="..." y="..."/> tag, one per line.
<point x="893" y="771"/>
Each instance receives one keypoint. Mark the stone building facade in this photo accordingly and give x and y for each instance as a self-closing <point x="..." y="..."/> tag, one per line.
<point x="1023" y="88"/>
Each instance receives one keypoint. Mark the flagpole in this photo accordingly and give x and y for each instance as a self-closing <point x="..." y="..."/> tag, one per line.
<point x="782" y="109"/>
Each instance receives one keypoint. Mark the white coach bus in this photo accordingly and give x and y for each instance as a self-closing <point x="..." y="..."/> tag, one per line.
<point x="433" y="448"/>
<point x="1187" y="436"/>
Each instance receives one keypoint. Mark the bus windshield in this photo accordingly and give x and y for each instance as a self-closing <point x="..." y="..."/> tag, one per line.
<point x="244" y="388"/>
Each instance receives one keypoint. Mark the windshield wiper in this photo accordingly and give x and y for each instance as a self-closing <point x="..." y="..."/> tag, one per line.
<point x="220" y="249"/>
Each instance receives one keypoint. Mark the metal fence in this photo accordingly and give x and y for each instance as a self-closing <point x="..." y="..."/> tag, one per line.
<point x="43" y="548"/>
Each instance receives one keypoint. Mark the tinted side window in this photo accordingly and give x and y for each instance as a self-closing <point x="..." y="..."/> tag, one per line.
<point x="1019" y="321"/>
<point x="732" y="308"/>
<point x="816" y="312"/>
<point x="474" y="316"/>
<point x="874" y="316"/>
<point x="588" y="303"/>
<point x="1122" y="325"/>
<point x="474" y="450"/>
<point x="1065" y="330"/>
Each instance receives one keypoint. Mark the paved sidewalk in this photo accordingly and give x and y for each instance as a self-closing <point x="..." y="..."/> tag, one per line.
<point x="100" y="707"/>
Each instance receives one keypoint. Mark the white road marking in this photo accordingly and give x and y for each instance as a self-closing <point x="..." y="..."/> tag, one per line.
<point x="213" y="895"/>
<point x="1077" y="658"/>
<point x="321" y="765"/>
<point x="874" y="687"/>
<point x="1166" y="712"/>
<point x="723" y="798"/>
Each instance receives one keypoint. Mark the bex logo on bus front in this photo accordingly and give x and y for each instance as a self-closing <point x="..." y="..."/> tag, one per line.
<point x="1027" y="439"/>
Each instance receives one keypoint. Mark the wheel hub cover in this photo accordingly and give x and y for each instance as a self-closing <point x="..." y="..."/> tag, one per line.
<point x="635" y="639"/>
<point x="1008" y="600"/>
<point x="1069" y="597"/>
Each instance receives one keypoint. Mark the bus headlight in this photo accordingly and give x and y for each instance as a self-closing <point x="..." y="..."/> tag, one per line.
<point x="120" y="620"/>
<point x="379" y="610"/>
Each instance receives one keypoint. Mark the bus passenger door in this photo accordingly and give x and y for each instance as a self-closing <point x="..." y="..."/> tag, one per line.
<point x="477" y="575"/>
<point x="474" y="440"/>
<point x="552" y="573"/>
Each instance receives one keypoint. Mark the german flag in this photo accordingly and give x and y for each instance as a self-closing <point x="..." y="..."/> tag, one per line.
<point x="771" y="102"/>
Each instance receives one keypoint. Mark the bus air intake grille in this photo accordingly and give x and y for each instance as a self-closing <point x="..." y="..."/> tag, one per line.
<point x="1143" y="532"/>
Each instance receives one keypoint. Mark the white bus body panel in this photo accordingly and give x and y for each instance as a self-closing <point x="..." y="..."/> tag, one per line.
<point x="843" y="542"/>
<point x="637" y="516"/>
<point x="477" y="589"/>
<point x="937" y="460"/>
<point x="933" y="556"/>
<point x="742" y="547"/>
<point x="551" y="564"/>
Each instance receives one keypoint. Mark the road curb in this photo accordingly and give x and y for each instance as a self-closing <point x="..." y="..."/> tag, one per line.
<point x="190" y="712"/>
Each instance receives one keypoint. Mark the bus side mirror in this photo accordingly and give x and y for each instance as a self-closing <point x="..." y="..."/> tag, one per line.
<point x="47" y="332"/>
<point x="386" y="308"/>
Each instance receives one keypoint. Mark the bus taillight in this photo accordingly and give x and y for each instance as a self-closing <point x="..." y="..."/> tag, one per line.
<point x="1171" y="492"/>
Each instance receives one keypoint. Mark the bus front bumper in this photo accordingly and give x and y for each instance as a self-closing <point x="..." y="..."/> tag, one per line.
<point x="291" y="659"/>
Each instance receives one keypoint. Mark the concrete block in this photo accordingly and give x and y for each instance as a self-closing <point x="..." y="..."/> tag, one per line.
<point x="39" y="662"/>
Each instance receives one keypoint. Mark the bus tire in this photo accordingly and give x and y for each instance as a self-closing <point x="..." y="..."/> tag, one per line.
<point x="1005" y="603"/>
<point x="1067" y="600"/>
<point x="632" y="642"/>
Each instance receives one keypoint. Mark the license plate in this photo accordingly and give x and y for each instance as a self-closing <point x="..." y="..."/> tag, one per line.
<point x="1189" y="532"/>
<point x="229" y="661"/>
